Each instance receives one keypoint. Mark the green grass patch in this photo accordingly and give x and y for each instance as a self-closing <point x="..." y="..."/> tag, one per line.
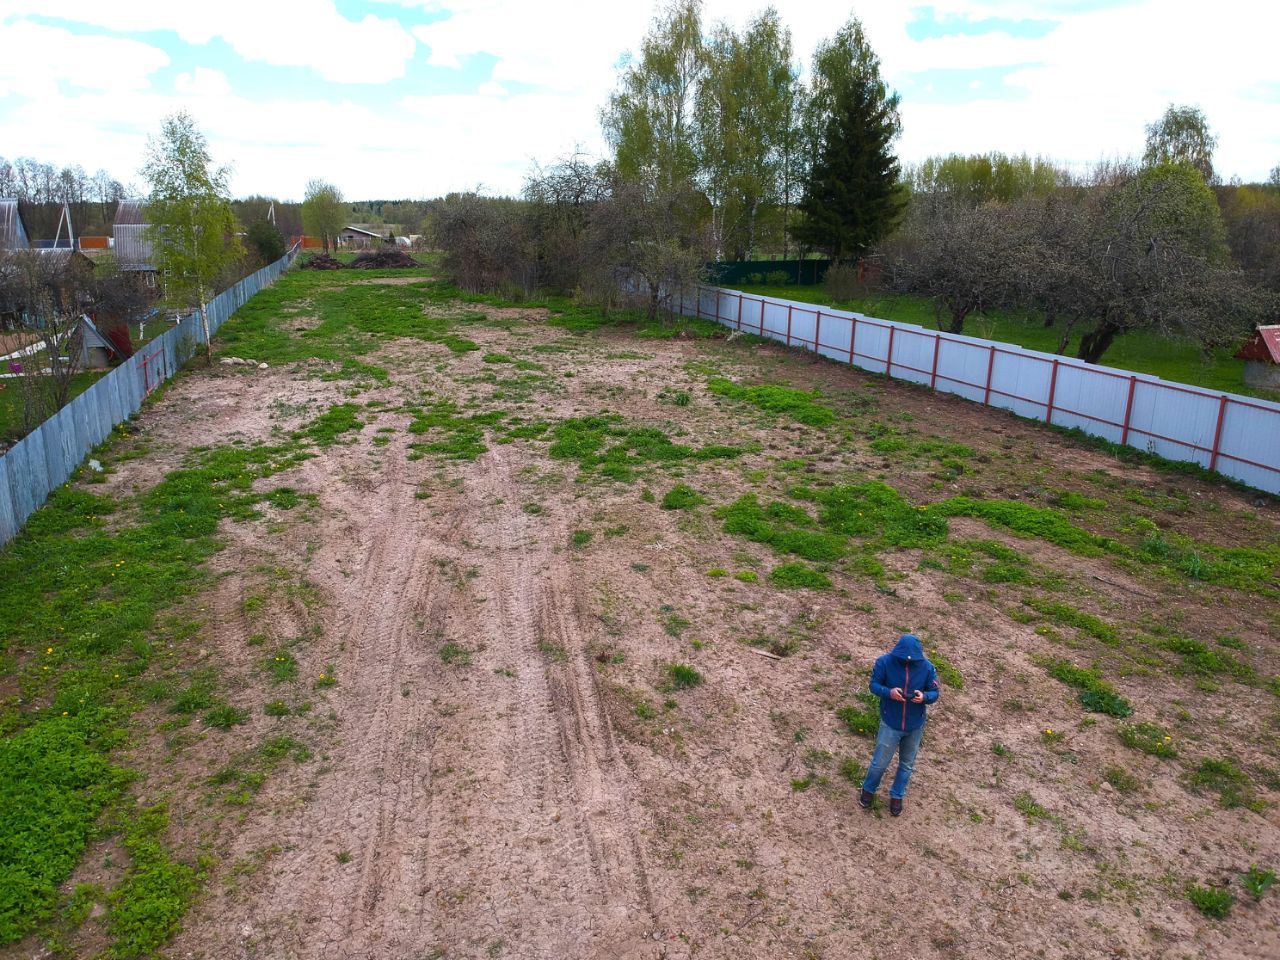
<point x="681" y="497"/>
<point x="1257" y="881"/>
<point x="605" y="444"/>
<point x="82" y="606"/>
<point x="948" y="673"/>
<point x="325" y="429"/>
<point x="455" y="654"/>
<point x="1225" y="778"/>
<point x="799" y="405"/>
<point x="1199" y="658"/>
<point x="146" y="907"/>
<point x="450" y="434"/>
<point x="1150" y="738"/>
<point x="863" y="717"/>
<point x="1066" y="615"/>
<point x="281" y="666"/>
<point x="1095" y="694"/>
<point x="1042" y="523"/>
<point x="797" y="576"/>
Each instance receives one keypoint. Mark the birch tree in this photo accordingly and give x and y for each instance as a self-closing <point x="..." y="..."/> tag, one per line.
<point x="192" y="227"/>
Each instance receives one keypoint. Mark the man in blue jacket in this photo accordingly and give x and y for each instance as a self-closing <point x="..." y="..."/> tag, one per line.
<point x="906" y="683"/>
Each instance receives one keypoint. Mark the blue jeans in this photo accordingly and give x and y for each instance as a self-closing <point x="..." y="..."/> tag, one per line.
<point x="888" y="742"/>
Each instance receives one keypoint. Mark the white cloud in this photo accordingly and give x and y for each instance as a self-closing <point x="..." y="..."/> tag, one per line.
<point x="37" y="57"/>
<point x="202" y="82"/>
<point x="287" y="33"/>
<point x="1085" y="90"/>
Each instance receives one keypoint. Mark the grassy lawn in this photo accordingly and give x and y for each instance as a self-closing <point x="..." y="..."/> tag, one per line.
<point x="1176" y="360"/>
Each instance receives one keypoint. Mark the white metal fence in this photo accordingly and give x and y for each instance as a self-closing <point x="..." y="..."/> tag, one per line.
<point x="43" y="460"/>
<point x="1234" y="435"/>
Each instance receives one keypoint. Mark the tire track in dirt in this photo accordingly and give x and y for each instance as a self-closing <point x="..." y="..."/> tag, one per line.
<point x="548" y="859"/>
<point x="377" y="800"/>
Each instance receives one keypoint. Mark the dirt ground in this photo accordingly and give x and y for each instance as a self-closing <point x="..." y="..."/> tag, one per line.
<point x="498" y="773"/>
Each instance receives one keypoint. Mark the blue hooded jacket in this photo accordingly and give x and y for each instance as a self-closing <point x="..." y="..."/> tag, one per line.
<point x="904" y="666"/>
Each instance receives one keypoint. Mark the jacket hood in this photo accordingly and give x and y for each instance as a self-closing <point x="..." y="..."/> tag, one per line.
<point x="908" y="648"/>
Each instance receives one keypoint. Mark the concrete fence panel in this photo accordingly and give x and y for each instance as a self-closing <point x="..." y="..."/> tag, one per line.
<point x="9" y="522"/>
<point x="60" y="452"/>
<point x="28" y="476"/>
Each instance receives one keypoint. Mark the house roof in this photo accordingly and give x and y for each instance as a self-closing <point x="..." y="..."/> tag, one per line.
<point x="1264" y="346"/>
<point x="367" y="233"/>
<point x="13" y="232"/>
<point x="131" y="212"/>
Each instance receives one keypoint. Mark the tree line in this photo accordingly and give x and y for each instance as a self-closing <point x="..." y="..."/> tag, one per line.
<point x="43" y="188"/>
<point x="1156" y="244"/>
<point x="720" y="150"/>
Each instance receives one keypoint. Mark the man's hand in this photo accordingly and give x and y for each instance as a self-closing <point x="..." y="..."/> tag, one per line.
<point x="918" y="697"/>
<point x="896" y="694"/>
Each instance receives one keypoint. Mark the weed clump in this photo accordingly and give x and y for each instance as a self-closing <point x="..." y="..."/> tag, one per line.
<point x="1149" y="738"/>
<point x="681" y="676"/>
<point x="1213" y="902"/>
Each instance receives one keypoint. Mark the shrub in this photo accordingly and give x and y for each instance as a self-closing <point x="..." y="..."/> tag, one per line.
<point x="777" y="278"/>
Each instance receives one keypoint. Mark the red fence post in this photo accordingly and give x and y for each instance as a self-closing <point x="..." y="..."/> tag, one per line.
<point x="817" y="332"/>
<point x="739" y="311"/>
<point x="933" y="376"/>
<point x="762" y="316"/>
<point x="1217" y="434"/>
<point x="888" y="363"/>
<point x="788" y="324"/>
<point x="853" y="335"/>
<point x="1053" y="386"/>
<point x="697" y="299"/>
<point x="991" y="366"/>
<point x="1128" y="410"/>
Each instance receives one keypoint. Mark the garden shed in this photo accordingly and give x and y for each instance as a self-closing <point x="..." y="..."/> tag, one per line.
<point x="1261" y="356"/>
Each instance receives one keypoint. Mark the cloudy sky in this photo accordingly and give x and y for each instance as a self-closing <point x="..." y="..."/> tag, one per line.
<point x="413" y="98"/>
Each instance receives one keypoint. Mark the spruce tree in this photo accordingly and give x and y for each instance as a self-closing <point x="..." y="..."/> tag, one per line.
<point x="853" y="197"/>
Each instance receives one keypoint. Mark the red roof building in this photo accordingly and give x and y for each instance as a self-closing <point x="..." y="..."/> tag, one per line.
<point x="1261" y="356"/>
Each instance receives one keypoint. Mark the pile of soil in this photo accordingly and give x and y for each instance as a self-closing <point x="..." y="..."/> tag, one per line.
<point x="322" y="262"/>
<point x="387" y="257"/>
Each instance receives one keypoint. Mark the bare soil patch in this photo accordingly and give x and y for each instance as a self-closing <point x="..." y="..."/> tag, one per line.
<point x="498" y="769"/>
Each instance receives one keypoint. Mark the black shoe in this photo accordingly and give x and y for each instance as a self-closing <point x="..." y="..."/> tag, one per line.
<point x="895" y="806"/>
<point x="865" y="800"/>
